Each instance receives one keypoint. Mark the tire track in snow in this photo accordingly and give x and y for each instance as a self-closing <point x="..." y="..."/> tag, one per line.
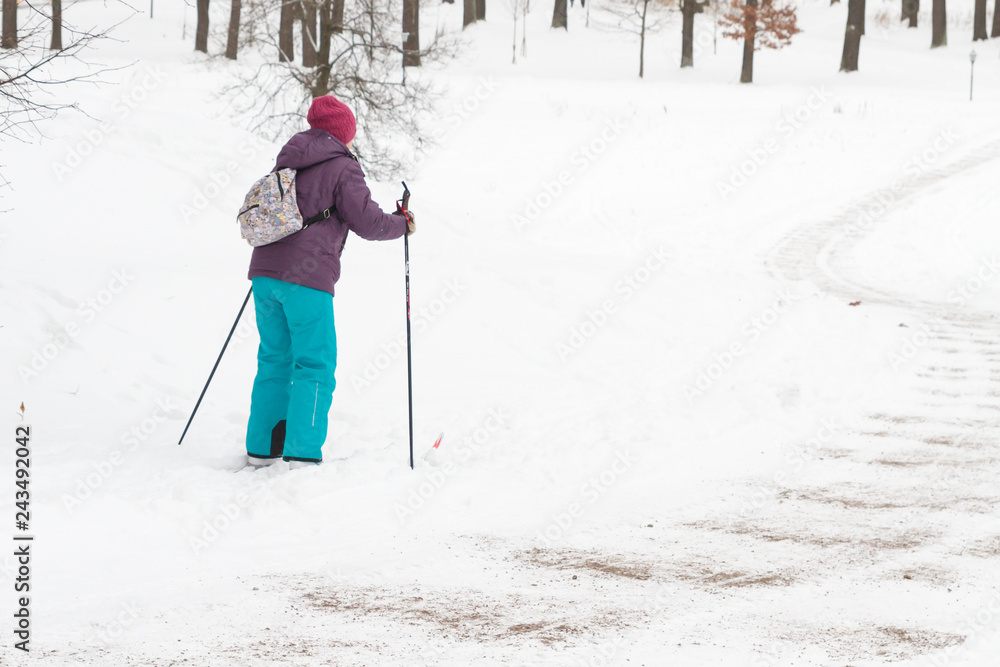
<point x="929" y="462"/>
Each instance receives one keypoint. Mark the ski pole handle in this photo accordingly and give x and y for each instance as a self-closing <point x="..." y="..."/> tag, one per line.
<point x="405" y="203"/>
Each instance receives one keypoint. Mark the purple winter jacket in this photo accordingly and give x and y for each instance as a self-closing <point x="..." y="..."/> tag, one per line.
<point x="312" y="257"/>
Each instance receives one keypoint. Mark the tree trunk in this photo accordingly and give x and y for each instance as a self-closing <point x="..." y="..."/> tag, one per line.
<point x="201" y="32"/>
<point x="480" y="10"/>
<point x="337" y="20"/>
<point x="9" y="39"/>
<point x="468" y="12"/>
<point x="746" y="75"/>
<point x="286" y="38"/>
<point x="852" y="48"/>
<point x="996" y="19"/>
<point x="559" y="15"/>
<point x="911" y="8"/>
<point x="411" y="29"/>
<point x="979" y="21"/>
<point x="852" y="37"/>
<point x="513" y="44"/>
<point x="327" y="26"/>
<point x="642" y="38"/>
<point x="233" y="39"/>
<point x="524" y="28"/>
<point x="56" y="25"/>
<point x="310" y="38"/>
<point x="688" y="10"/>
<point x="939" y="24"/>
<point x="860" y="15"/>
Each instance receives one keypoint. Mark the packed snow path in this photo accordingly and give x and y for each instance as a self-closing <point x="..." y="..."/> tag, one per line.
<point x="924" y="532"/>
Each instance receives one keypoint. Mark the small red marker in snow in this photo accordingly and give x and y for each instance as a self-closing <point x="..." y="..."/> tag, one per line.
<point x="433" y="455"/>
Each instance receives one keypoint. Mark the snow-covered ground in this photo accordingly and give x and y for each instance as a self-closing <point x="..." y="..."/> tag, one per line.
<point x="713" y="363"/>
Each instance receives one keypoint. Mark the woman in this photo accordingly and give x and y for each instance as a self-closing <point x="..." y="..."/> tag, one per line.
<point x="293" y="281"/>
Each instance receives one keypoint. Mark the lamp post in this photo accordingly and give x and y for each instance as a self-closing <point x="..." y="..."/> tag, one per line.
<point x="972" y="70"/>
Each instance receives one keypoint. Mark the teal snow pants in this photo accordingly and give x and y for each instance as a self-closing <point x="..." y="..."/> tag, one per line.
<point x="296" y="360"/>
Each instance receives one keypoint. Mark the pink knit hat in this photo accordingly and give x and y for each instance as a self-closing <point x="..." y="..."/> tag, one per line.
<point x="330" y="114"/>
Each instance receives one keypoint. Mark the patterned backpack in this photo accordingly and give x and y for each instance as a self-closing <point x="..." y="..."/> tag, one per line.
<point x="271" y="211"/>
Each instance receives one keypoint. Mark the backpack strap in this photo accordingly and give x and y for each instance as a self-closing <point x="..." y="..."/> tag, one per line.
<point x="327" y="212"/>
<point x="319" y="217"/>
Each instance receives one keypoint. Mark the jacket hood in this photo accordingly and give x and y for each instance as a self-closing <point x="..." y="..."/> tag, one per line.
<point x="308" y="148"/>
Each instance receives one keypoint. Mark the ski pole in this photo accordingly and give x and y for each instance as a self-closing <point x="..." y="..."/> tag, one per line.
<point x="402" y="205"/>
<point x="212" y="374"/>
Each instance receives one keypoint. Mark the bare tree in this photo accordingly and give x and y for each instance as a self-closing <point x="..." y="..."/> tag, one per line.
<point x="480" y="10"/>
<point x="201" y="32"/>
<point x="411" y="33"/>
<point x="9" y="39"/>
<point x="760" y="26"/>
<point x="688" y="9"/>
<point x="34" y="83"/>
<point x="852" y="36"/>
<point x="517" y="7"/>
<point x="639" y="17"/>
<point x="232" y="40"/>
<point x="362" y="66"/>
<point x="979" y="21"/>
<point x="911" y="9"/>
<point x="939" y="24"/>
<point x="559" y="15"/>
<point x="468" y="12"/>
